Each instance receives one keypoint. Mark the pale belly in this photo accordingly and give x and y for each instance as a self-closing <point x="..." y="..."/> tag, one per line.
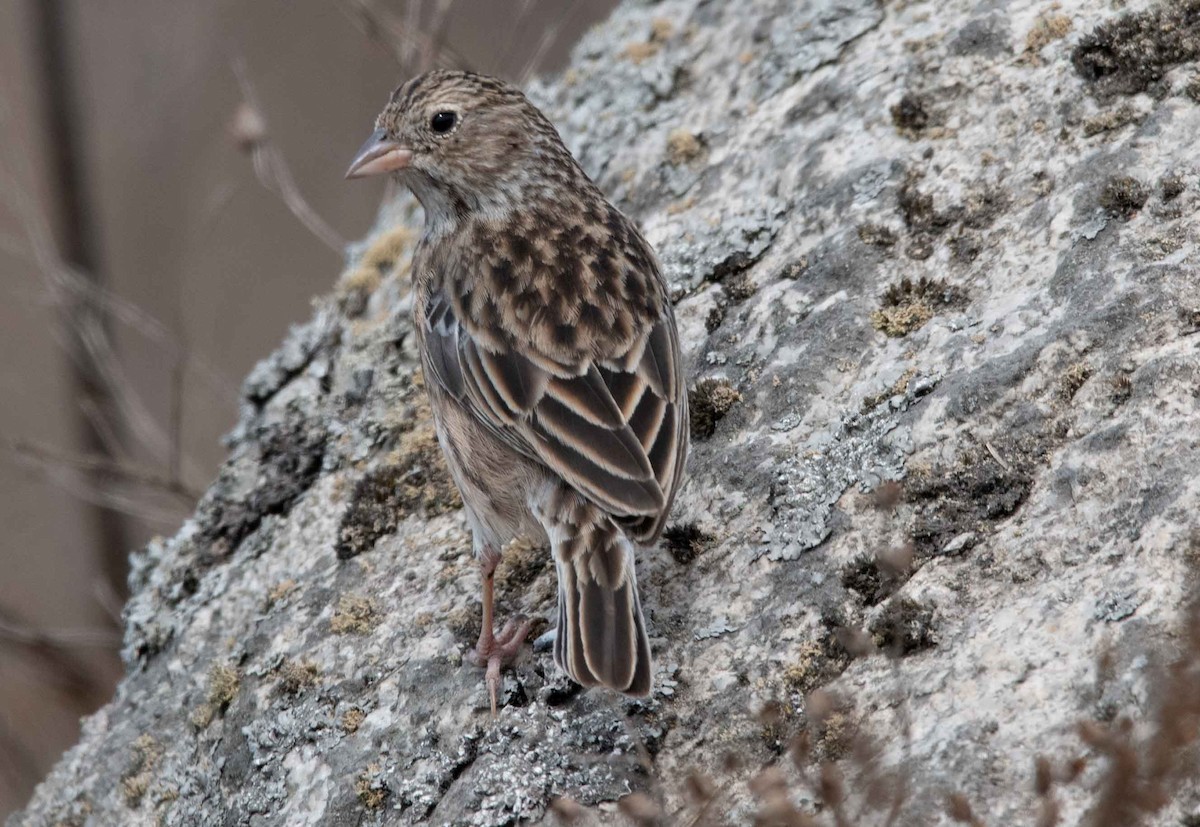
<point x="496" y="483"/>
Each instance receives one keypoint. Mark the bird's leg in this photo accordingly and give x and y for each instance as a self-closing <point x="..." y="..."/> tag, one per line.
<point x="494" y="651"/>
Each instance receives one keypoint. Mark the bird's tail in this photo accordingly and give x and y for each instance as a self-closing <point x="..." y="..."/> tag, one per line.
<point x="601" y="636"/>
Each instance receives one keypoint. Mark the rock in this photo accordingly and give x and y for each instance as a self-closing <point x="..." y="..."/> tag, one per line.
<point x="960" y="543"/>
<point x="932" y="551"/>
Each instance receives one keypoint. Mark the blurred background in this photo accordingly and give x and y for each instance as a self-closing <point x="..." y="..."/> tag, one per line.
<point x="171" y="197"/>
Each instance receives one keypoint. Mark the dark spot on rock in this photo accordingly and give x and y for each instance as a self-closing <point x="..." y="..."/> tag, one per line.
<point x="1123" y="196"/>
<point x="887" y="495"/>
<point x="794" y="269"/>
<point x="740" y="287"/>
<point x="289" y="457"/>
<point x="876" y="235"/>
<point x="910" y="113"/>
<point x="1133" y="52"/>
<point x="415" y="482"/>
<point x="189" y="583"/>
<point x="904" y="627"/>
<point x="920" y="217"/>
<point x="1171" y="186"/>
<point x="872" y="578"/>
<point x="716" y="315"/>
<point x="734" y="263"/>
<point x="1192" y="88"/>
<point x="360" y="385"/>
<point x="686" y="542"/>
<point x="708" y="402"/>
<point x="1122" y="388"/>
<point x="965" y="496"/>
<point x="560" y="694"/>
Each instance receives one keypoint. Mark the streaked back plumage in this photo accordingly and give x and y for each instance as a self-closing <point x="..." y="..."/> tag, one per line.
<point x="544" y="320"/>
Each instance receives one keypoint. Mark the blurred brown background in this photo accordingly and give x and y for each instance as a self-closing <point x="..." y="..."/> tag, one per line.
<point x="146" y="263"/>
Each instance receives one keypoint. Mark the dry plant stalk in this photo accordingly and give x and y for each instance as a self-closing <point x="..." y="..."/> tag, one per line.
<point x="249" y="129"/>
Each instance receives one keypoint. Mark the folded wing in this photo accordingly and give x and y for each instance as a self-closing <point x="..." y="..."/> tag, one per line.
<point x="614" y="427"/>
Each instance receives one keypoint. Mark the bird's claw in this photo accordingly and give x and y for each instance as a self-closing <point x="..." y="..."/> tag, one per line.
<point x="499" y="651"/>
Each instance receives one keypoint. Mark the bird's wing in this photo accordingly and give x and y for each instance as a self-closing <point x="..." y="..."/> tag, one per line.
<point x="612" y="425"/>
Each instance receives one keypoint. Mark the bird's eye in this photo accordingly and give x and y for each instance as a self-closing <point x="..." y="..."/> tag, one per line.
<point x="443" y="122"/>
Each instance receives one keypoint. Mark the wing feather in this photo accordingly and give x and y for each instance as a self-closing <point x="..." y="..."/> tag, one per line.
<point x="614" y="427"/>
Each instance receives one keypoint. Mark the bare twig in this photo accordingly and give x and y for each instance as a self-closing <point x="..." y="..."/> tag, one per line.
<point x="412" y="23"/>
<point x="436" y="43"/>
<point x="549" y="36"/>
<point x="88" y="339"/>
<point x="404" y="42"/>
<point x="107" y="468"/>
<point x="55" y="655"/>
<point x="518" y="26"/>
<point x="175" y="459"/>
<point x="271" y="168"/>
<point x="24" y="635"/>
<point x="108" y="599"/>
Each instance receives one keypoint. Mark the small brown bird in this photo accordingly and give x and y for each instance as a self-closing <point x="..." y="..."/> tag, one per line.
<point x="551" y="358"/>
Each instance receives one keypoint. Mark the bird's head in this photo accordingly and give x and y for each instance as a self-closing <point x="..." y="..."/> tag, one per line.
<point x="464" y="143"/>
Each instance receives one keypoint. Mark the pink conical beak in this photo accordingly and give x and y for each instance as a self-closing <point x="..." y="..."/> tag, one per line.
<point x="378" y="155"/>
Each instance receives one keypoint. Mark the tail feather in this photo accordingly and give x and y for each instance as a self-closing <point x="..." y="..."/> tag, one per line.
<point x="601" y="636"/>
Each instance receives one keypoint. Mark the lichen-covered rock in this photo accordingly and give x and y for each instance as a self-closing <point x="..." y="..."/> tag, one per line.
<point x="935" y="273"/>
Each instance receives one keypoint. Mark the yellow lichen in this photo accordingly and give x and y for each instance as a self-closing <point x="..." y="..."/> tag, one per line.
<point x="294" y="676"/>
<point x="640" y="51"/>
<point x="352" y="719"/>
<point x="378" y="261"/>
<point x="1046" y="29"/>
<point x="683" y="146"/>
<point x="140" y="770"/>
<point x="371" y="792"/>
<point x="353" y="615"/>
<point x="279" y="591"/>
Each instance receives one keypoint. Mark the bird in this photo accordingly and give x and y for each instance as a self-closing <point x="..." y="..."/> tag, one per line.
<point x="551" y="357"/>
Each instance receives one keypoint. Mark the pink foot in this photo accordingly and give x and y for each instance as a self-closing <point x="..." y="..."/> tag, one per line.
<point x="495" y="651"/>
<point x="500" y="651"/>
